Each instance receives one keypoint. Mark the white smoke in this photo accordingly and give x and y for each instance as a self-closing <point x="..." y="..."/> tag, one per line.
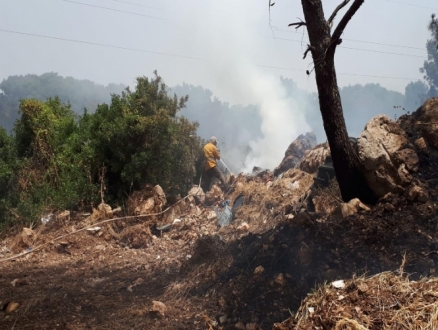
<point x="233" y="74"/>
<point x="283" y="121"/>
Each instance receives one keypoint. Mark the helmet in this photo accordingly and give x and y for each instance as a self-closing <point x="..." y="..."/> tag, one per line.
<point x="214" y="140"/>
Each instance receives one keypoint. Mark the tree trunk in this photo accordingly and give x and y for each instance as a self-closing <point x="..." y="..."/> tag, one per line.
<point x="346" y="161"/>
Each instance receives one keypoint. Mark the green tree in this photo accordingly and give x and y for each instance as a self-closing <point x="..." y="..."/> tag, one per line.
<point x="141" y="139"/>
<point x="79" y="93"/>
<point x="415" y="95"/>
<point x="430" y="66"/>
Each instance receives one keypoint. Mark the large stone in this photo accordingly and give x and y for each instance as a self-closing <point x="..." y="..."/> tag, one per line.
<point x="198" y="194"/>
<point x="387" y="156"/>
<point x="158" y="310"/>
<point x="429" y="121"/>
<point x="314" y="158"/>
<point x="296" y="151"/>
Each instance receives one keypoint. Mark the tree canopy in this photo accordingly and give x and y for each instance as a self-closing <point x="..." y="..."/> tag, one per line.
<point x="79" y="93"/>
<point x="430" y="66"/>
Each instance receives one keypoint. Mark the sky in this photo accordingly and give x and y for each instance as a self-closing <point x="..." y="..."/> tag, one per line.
<point x="224" y="39"/>
<point x="237" y="49"/>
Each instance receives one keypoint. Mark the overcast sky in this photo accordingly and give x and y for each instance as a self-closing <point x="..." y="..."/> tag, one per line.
<point x="227" y="40"/>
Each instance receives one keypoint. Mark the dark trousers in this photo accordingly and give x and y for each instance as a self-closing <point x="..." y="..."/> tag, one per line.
<point x="208" y="175"/>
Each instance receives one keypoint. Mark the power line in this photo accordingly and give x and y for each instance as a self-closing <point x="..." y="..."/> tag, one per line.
<point x="411" y="4"/>
<point x="137" y="4"/>
<point x="363" y="41"/>
<point x="101" y="45"/>
<point x="360" y="49"/>
<point x="112" y="9"/>
<point x="381" y="52"/>
<point x="175" y="55"/>
<point x="341" y="74"/>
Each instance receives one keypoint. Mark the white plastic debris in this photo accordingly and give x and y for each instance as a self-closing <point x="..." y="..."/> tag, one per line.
<point x="339" y="284"/>
<point x="46" y="218"/>
<point x="311" y="310"/>
<point x="94" y="229"/>
<point x="176" y="221"/>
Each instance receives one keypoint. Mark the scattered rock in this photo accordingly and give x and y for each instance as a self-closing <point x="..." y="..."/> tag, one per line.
<point x="421" y="145"/>
<point x="158" y="310"/>
<point x="386" y="155"/>
<point x="259" y="270"/>
<point x="296" y="151"/>
<point x="19" y="282"/>
<point x="362" y="287"/>
<point x="197" y="194"/>
<point x="352" y="207"/>
<point x="418" y="194"/>
<point x="106" y="210"/>
<point x="239" y="326"/>
<point x="223" y="319"/>
<point x="211" y="216"/>
<point x="243" y="226"/>
<point x="11" y="307"/>
<point x="279" y="280"/>
<point x="64" y="215"/>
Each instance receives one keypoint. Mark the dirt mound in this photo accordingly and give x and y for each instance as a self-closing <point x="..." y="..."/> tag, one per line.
<point x="384" y="301"/>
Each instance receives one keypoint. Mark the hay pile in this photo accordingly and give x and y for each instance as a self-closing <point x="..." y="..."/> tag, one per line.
<point x="384" y="301"/>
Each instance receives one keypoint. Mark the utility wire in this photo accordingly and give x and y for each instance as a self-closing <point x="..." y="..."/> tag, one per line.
<point x="101" y="45"/>
<point x="360" y="49"/>
<point x="381" y="52"/>
<point x="356" y="40"/>
<point x="137" y="4"/>
<point x="411" y="4"/>
<point x="341" y="74"/>
<point x="112" y="9"/>
<point x="173" y="55"/>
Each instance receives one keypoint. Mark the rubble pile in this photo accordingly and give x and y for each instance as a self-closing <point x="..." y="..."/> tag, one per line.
<point x="173" y="263"/>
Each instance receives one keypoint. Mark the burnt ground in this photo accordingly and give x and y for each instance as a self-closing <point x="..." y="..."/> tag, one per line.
<point x="114" y="288"/>
<point x="220" y="279"/>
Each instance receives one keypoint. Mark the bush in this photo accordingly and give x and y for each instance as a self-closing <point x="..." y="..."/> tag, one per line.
<point x="66" y="161"/>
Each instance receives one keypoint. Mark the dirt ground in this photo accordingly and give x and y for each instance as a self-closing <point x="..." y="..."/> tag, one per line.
<point x="210" y="278"/>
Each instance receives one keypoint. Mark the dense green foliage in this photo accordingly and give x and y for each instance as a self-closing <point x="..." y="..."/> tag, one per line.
<point x="79" y="93"/>
<point x="59" y="160"/>
<point x="430" y="66"/>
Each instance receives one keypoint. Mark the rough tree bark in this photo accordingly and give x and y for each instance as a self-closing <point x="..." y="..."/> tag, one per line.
<point x="322" y="47"/>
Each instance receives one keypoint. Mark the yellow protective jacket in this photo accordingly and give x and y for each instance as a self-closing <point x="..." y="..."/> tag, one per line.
<point x="211" y="154"/>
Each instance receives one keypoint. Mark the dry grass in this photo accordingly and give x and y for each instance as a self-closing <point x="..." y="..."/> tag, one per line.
<point x="384" y="301"/>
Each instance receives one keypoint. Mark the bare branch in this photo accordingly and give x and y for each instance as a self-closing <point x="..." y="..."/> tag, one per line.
<point x="338" y="8"/>
<point x="309" y="48"/>
<point x="344" y="21"/>
<point x="298" y="24"/>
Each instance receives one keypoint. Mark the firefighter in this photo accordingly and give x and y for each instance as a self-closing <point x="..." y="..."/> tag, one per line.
<point x="212" y="154"/>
